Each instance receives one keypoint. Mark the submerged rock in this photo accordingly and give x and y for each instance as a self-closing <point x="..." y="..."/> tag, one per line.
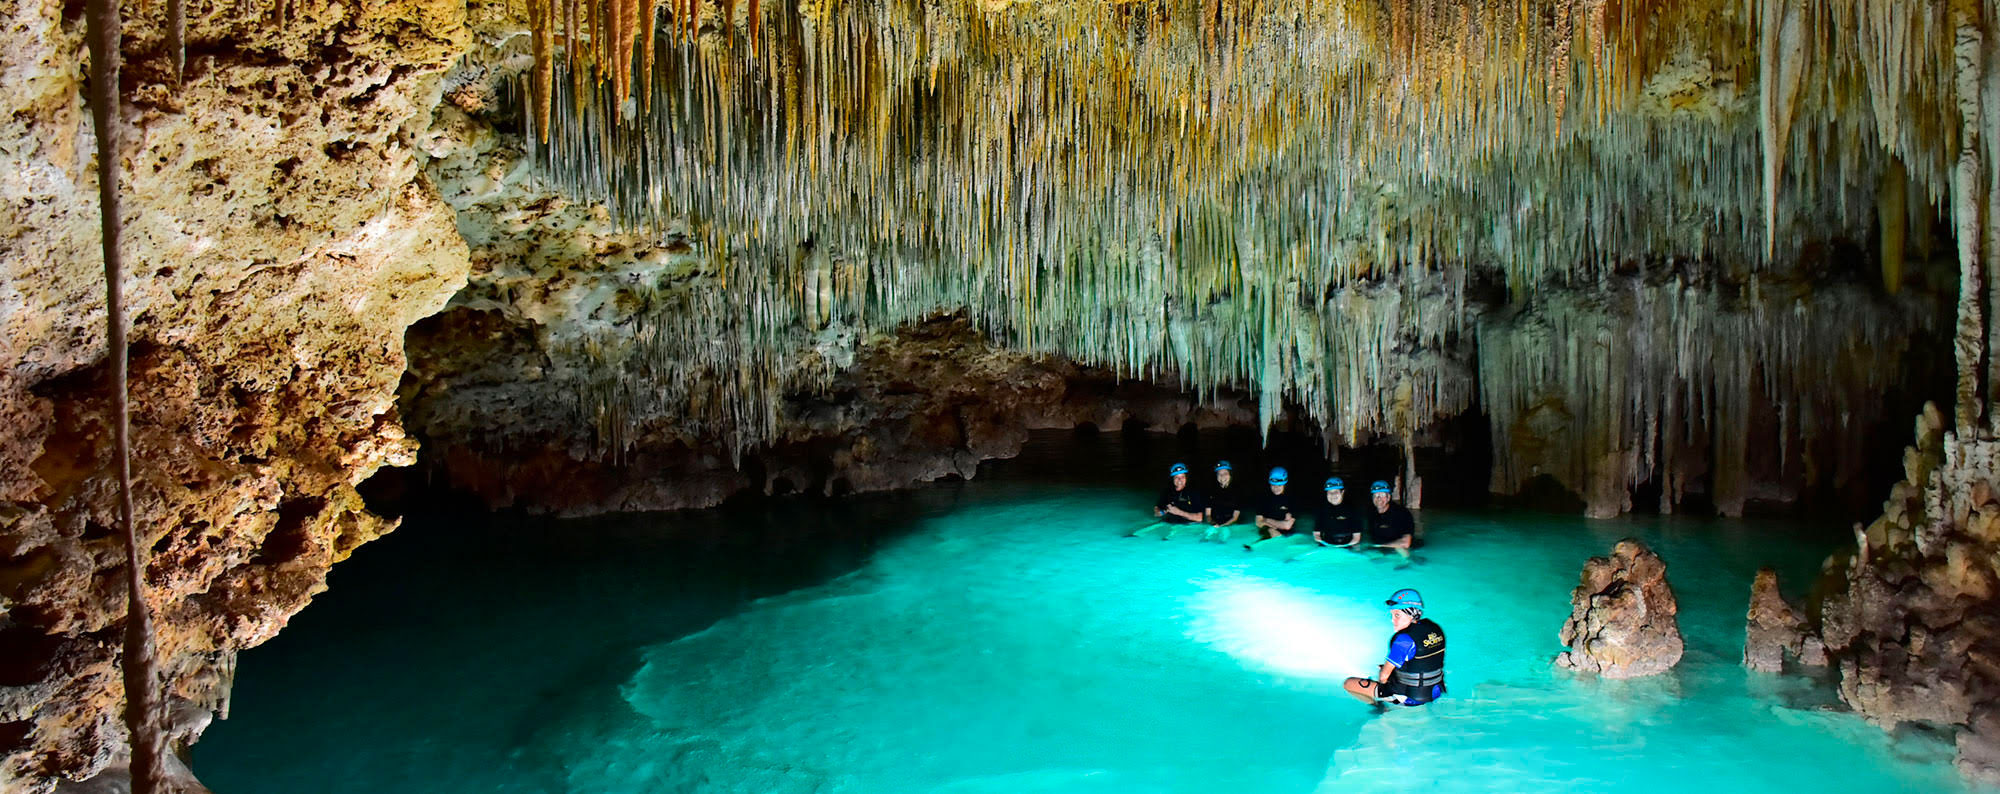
<point x="1623" y="620"/>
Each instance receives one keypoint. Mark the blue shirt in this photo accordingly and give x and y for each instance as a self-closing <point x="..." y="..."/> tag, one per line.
<point x="1402" y="649"/>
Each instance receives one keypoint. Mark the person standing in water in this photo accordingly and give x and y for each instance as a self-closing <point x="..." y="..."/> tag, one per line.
<point x="1390" y="525"/>
<point x="1335" y="522"/>
<point x="1274" y="514"/>
<point x="1178" y="504"/>
<point x="1414" y="672"/>
<point x="1222" y="509"/>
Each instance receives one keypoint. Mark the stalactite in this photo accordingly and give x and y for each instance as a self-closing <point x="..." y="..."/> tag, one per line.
<point x="177" y="37"/>
<point x="1781" y="54"/>
<point x="141" y="669"/>
<point x="1967" y="200"/>
<point x="1892" y="211"/>
<point x="1141" y="198"/>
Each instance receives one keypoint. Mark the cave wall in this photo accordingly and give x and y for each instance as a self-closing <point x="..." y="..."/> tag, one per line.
<point x="281" y="236"/>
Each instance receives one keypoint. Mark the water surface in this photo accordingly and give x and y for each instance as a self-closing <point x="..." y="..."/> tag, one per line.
<point x="1004" y="635"/>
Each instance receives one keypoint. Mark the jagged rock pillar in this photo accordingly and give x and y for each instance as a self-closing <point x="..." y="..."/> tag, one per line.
<point x="1623" y="617"/>
<point x="1776" y="629"/>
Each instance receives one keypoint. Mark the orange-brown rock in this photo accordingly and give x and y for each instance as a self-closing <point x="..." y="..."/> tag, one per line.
<point x="1623" y="618"/>
<point x="280" y="238"/>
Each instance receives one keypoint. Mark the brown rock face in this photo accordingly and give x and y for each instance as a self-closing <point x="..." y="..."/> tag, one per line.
<point x="280" y="238"/>
<point x="1623" y="620"/>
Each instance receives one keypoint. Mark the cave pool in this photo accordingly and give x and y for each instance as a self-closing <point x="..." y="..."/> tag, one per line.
<point x="1001" y="635"/>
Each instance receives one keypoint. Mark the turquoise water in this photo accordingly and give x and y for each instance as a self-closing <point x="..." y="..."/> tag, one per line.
<point x="1003" y="635"/>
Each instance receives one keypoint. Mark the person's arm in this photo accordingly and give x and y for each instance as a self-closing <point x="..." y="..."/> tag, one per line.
<point x="1401" y="649"/>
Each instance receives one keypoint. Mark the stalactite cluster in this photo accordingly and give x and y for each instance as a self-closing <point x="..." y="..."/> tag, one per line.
<point x="1204" y="191"/>
<point x="1676" y="383"/>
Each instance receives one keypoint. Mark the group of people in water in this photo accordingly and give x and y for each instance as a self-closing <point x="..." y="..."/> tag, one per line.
<point x="1336" y="520"/>
<point x="1413" y="672"/>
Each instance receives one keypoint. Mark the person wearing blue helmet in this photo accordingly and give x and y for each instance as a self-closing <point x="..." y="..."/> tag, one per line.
<point x="1222" y="505"/>
<point x="1335" y="522"/>
<point x="1414" y="672"/>
<point x="1275" y="516"/>
<point x="1390" y="525"/>
<point x="1179" y="504"/>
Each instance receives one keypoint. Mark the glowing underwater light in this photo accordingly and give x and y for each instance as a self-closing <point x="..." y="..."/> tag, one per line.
<point x="1285" y="629"/>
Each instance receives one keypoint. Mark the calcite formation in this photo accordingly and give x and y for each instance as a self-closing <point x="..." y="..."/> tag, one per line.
<point x="859" y="167"/>
<point x="1623" y="617"/>
<point x="1912" y="615"/>
<point x="282" y="237"/>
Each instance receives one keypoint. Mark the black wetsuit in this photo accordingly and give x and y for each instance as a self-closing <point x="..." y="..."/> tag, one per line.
<point x="1187" y="499"/>
<point x="1338" y="524"/>
<point x="1388" y="526"/>
<point x="1221" y="505"/>
<point x="1277" y="507"/>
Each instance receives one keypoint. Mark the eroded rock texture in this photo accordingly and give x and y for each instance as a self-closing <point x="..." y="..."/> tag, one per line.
<point x="1912" y="617"/>
<point x="1776" y="630"/>
<point x="281" y="237"/>
<point x="1623" y="618"/>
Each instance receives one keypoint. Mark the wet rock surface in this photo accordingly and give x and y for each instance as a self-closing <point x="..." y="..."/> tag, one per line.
<point x="1623" y="618"/>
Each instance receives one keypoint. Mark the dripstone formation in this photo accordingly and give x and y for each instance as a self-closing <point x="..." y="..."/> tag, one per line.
<point x="1623" y="618"/>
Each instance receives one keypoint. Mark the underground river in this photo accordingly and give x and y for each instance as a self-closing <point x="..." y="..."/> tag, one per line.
<point x="1003" y="634"/>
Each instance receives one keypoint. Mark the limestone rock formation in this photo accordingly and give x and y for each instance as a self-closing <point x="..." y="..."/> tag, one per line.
<point x="928" y="402"/>
<point x="1912" y="616"/>
<point x="1776" y="629"/>
<point x="1623" y="618"/>
<point x="280" y="237"/>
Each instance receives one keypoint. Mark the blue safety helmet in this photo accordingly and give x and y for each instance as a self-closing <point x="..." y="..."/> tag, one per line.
<point x="1334" y="484"/>
<point x="1405" y="598"/>
<point x="1381" y="487"/>
<point x="1177" y="470"/>
<point x="1222" y="465"/>
<point x="1278" y="476"/>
